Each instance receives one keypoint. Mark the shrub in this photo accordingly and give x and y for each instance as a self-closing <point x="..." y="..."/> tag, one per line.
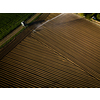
<point x="89" y="15"/>
<point x="98" y="17"/>
<point x="82" y="14"/>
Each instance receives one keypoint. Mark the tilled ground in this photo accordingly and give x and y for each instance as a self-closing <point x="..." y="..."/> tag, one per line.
<point x="62" y="53"/>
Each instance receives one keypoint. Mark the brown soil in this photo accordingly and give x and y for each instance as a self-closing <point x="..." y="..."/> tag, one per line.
<point x="64" y="52"/>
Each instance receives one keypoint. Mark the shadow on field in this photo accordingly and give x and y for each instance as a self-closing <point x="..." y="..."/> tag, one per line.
<point x="36" y="22"/>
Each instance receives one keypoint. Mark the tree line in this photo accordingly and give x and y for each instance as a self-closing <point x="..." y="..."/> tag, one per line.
<point x="91" y="15"/>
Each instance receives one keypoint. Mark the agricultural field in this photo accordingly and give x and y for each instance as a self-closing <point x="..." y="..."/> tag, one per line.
<point x="62" y="53"/>
<point x="10" y="21"/>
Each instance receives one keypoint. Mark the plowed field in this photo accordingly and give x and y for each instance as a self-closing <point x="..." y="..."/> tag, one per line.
<point x="64" y="52"/>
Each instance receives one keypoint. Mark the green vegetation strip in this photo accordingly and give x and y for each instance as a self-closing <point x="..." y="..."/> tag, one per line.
<point x="10" y="21"/>
<point x="12" y="38"/>
<point x="16" y="34"/>
<point x="90" y="15"/>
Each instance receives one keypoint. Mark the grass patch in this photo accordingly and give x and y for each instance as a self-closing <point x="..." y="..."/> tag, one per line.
<point x="89" y="16"/>
<point x="10" y="21"/>
<point x="16" y="34"/>
<point x="82" y="14"/>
